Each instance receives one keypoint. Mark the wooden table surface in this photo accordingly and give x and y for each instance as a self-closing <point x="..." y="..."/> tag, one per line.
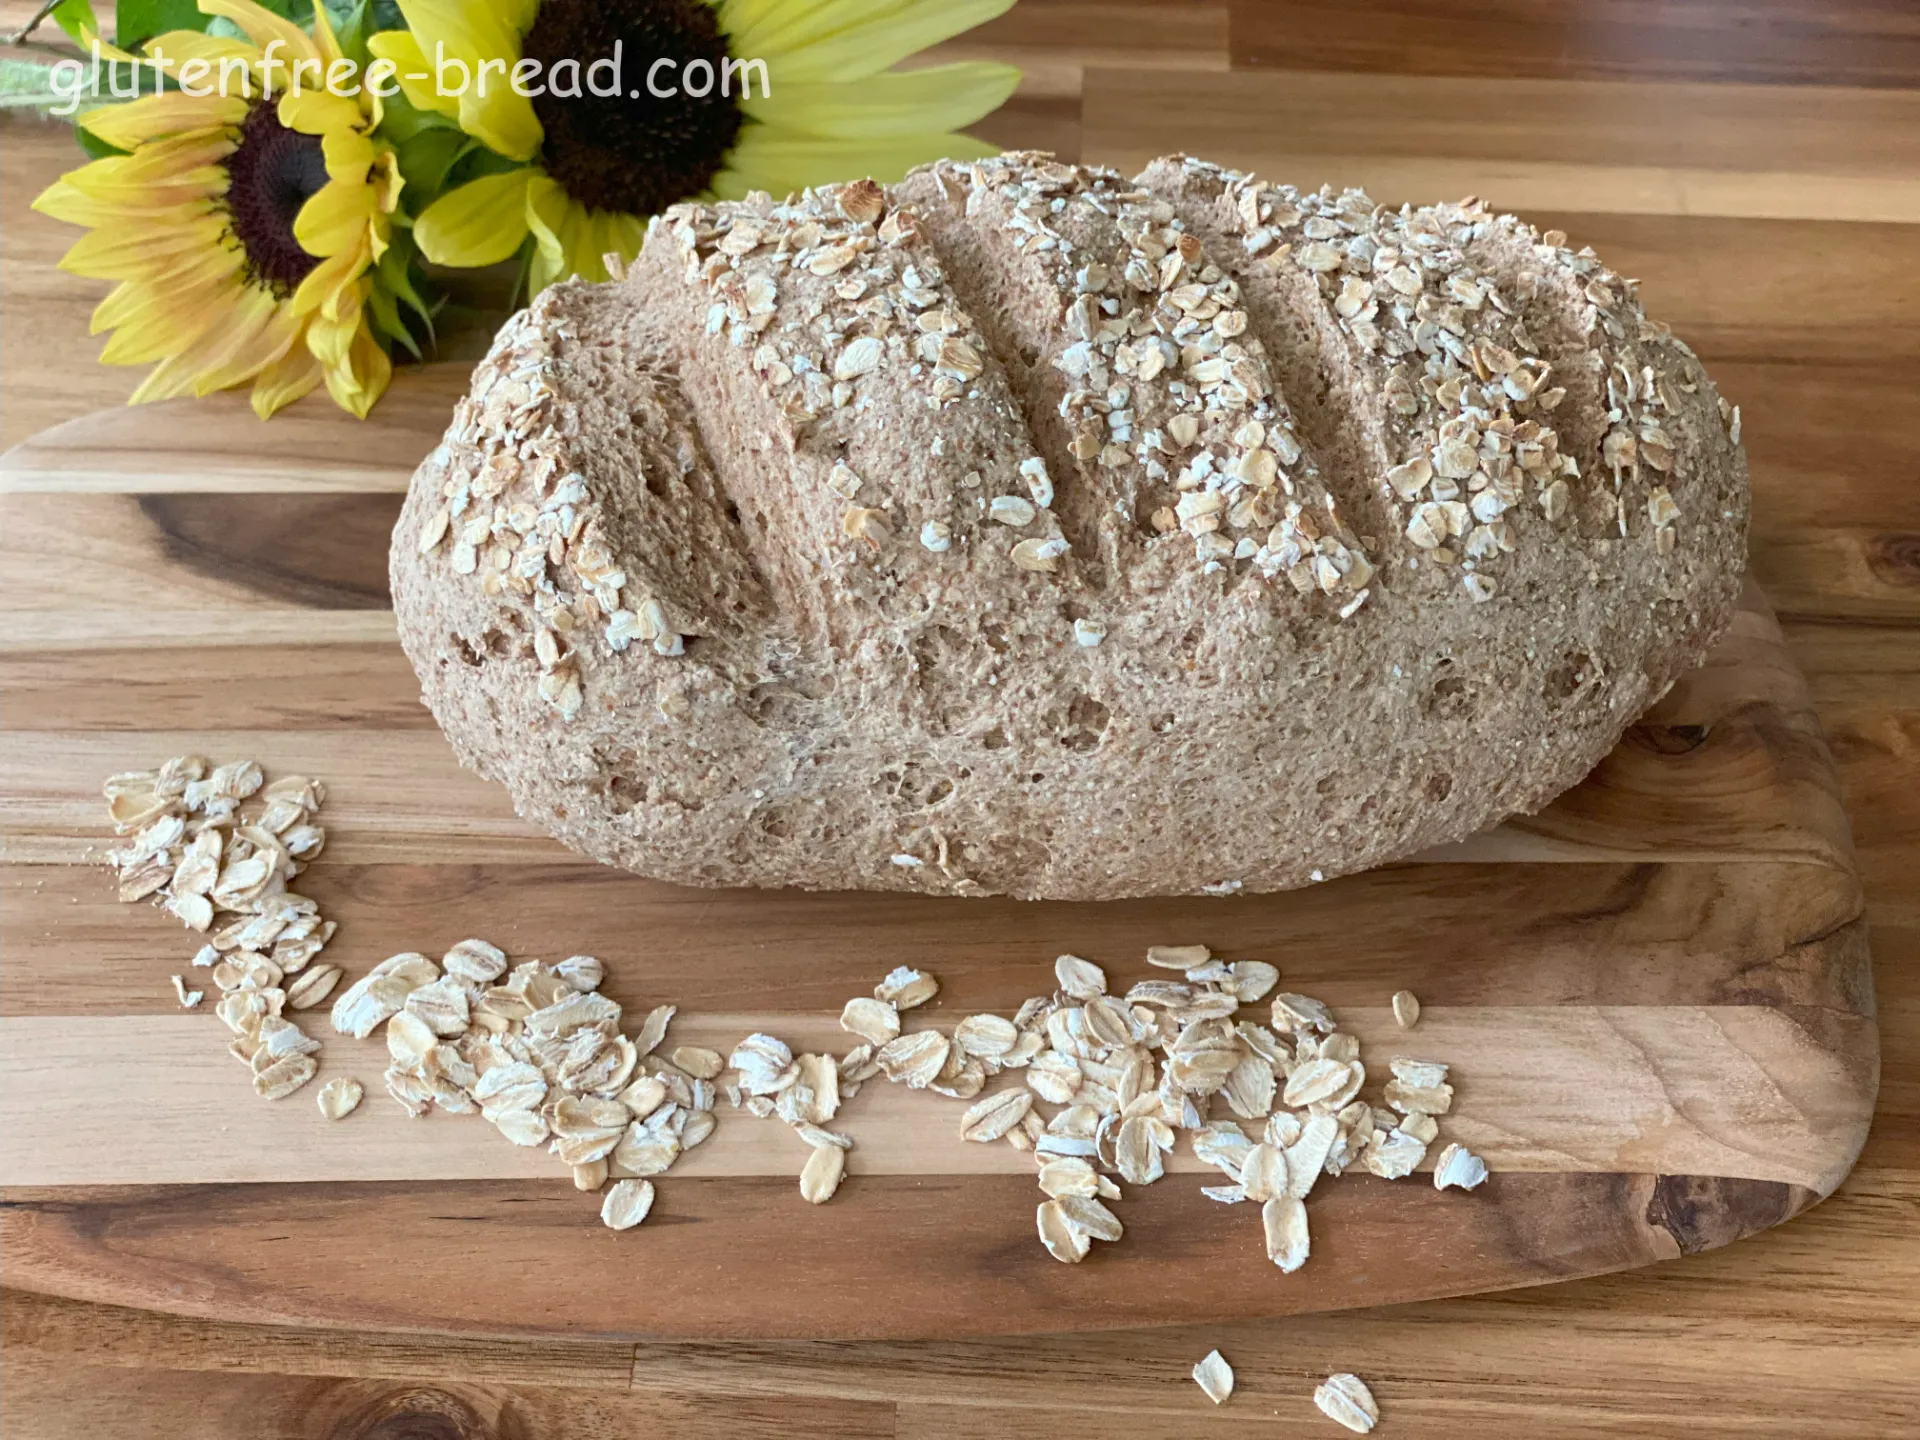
<point x="1757" y="164"/>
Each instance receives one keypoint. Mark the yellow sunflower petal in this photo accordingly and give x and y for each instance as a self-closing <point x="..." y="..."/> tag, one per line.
<point x="580" y="246"/>
<point x="576" y="234"/>
<point x="781" y="164"/>
<point x="124" y="252"/>
<point x="947" y="97"/>
<point x="324" y="40"/>
<point x="286" y="380"/>
<point x="66" y="201"/>
<point x="263" y="27"/>
<point x="150" y="326"/>
<point x="613" y="234"/>
<point x="361" y="378"/>
<point x="335" y="217"/>
<point x="350" y="154"/>
<point x="318" y="112"/>
<point x="594" y="242"/>
<point x="502" y="120"/>
<point x="467" y="34"/>
<point x="481" y="223"/>
<point x="467" y="29"/>
<point x="176" y="289"/>
<point x="324" y="283"/>
<point x="181" y="152"/>
<point x="181" y="162"/>
<point x="400" y="47"/>
<point x="246" y="361"/>
<point x="153" y="116"/>
<point x="90" y="38"/>
<point x="232" y="63"/>
<point x="746" y="17"/>
<point x="518" y="15"/>
<point x="198" y="368"/>
<point x="389" y="181"/>
<point x="129" y="304"/>
<point x="550" y="215"/>
<point x="330" y="338"/>
<point x="626" y="234"/>
<point x="125" y="185"/>
<point x="847" y="39"/>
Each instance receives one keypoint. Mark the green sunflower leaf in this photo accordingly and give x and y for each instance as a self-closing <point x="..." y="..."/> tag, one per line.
<point x="350" y="29"/>
<point x="387" y="321"/>
<point x="298" y="11"/>
<point x="96" y="148"/>
<point x="76" y="18"/>
<point x="476" y="161"/>
<point x="426" y="159"/>
<point x="355" y="20"/>
<point x="137" y="21"/>
<point x="401" y="121"/>
<point x="396" y="273"/>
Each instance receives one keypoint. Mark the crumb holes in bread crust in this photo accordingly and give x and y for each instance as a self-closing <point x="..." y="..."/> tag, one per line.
<point x="916" y="786"/>
<point x="625" y="794"/>
<point x="502" y="646"/>
<point x="1449" y="697"/>
<point x="1568" y="676"/>
<point x="1085" y="723"/>
<point x="774" y="822"/>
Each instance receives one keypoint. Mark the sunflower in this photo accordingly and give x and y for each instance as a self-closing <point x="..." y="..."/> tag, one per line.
<point x="590" y="167"/>
<point x="243" y="228"/>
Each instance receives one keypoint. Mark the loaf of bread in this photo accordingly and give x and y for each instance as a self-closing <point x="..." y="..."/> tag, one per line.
<point x="1024" y="529"/>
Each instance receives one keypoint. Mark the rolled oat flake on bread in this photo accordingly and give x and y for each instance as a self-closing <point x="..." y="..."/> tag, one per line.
<point x="1057" y="534"/>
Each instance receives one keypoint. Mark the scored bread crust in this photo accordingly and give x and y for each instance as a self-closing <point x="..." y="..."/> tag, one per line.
<point x="1023" y="529"/>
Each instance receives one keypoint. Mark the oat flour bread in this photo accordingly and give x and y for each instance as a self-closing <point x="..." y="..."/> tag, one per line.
<point x="1027" y="529"/>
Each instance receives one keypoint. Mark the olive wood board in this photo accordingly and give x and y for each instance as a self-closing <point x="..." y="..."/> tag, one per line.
<point x="1655" y="994"/>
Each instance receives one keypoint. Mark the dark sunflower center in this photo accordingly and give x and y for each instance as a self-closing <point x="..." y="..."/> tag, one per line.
<point x="269" y="177"/>
<point x="633" y="150"/>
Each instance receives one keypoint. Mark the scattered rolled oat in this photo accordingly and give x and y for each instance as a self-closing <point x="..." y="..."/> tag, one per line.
<point x="1121" y="1110"/>
<point x="279" y="1078"/>
<point x="627" y="1204"/>
<point x="1458" y="1166"/>
<point x="700" y="1063"/>
<point x="224" y="871"/>
<point x="1080" y="979"/>
<point x="339" y="1097"/>
<point x="582" y="972"/>
<point x="994" y="1116"/>
<point x="1214" y="1376"/>
<point x="905" y="987"/>
<point x="873" y="1020"/>
<point x="312" y="986"/>
<point x="1346" y="1399"/>
<point x="540" y="1054"/>
<point x="1178" y="957"/>
<point x="821" y="1175"/>
<point x="1406" y="1009"/>
<point x="1284" y="1219"/>
<point x="590" y="1176"/>
<point x="1064" y="1240"/>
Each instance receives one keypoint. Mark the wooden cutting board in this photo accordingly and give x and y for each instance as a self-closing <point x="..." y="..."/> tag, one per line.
<point x="1655" y="995"/>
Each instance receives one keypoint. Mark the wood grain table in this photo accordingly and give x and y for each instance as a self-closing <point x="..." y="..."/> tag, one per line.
<point x="1757" y="164"/>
